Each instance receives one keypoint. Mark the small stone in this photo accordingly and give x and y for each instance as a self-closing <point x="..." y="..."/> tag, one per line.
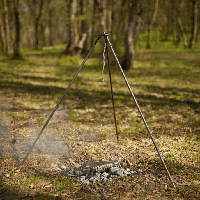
<point x="82" y="178"/>
<point x="78" y="173"/>
<point x="97" y="176"/>
<point x="126" y="173"/>
<point x="105" y="174"/>
<point x="120" y="173"/>
<point x="113" y="176"/>
<point x="92" y="180"/>
<point x="166" y="187"/>
<point x="133" y="172"/>
<point x="86" y="182"/>
<point x="71" y="173"/>
<point x="63" y="167"/>
<point x="48" y="186"/>
<point x="7" y="175"/>
<point x="139" y="170"/>
<point x="145" y="183"/>
<point x="114" y="170"/>
<point x="31" y="186"/>
<point x="104" y="179"/>
<point x="158" y="178"/>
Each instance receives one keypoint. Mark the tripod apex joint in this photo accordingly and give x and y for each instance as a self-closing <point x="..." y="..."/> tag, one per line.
<point x="104" y="34"/>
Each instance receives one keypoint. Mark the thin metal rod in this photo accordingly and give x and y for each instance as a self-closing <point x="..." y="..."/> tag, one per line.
<point x="57" y="105"/>
<point x="140" y="112"/>
<point x="111" y="88"/>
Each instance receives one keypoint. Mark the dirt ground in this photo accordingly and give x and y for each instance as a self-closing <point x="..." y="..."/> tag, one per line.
<point x="41" y="177"/>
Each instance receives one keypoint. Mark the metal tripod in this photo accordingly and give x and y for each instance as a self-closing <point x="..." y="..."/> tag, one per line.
<point x="107" y="41"/>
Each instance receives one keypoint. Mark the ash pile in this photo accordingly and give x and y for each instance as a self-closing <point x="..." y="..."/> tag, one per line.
<point x="100" y="171"/>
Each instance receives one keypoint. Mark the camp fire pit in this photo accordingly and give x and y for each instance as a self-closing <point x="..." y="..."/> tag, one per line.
<point x="100" y="171"/>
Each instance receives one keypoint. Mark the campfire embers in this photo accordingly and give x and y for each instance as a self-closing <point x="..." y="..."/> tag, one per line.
<point x="101" y="171"/>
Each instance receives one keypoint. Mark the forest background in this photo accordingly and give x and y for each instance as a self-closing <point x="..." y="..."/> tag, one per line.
<point x="35" y="24"/>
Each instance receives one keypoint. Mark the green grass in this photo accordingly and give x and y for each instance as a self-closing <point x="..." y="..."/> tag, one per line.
<point x="165" y="83"/>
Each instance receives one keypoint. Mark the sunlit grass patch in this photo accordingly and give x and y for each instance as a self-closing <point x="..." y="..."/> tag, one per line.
<point x="165" y="84"/>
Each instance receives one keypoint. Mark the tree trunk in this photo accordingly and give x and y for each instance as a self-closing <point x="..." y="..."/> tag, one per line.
<point x="179" y="8"/>
<point x="137" y="29"/>
<point x="72" y="28"/>
<point x="36" y="8"/>
<point x="112" y="20"/>
<point x="36" y="24"/>
<point x="121" y="27"/>
<point x="16" y="45"/>
<point x="42" y="34"/>
<point x="173" y="21"/>
<point x="2" y="35"/>
<point x="150" y="25"/>
<point x="50" y="28"/>
<point x="130" y="51"/>
<point x="101" y="5"/>
<point x="103" y="16"/>
<point x="75" y="45"/>
<point x="134" y="13"/>
<point x="84" y="24"/>
<point x="109" y="16"/>
<point x="194" y="23"/>
<point x="7" y="28"/>
<point x="157" y="32"/>
<point x="178" y="40"/>
<point x="93" y="24"/>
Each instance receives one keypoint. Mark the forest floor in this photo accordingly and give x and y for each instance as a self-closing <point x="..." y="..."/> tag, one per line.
<point x="166" y="86"/>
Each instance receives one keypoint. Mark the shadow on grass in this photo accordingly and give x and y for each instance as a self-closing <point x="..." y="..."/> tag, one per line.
<point x="82" y="99"/>
<point x="13" y="194"/>
<point x="98" y="96"/>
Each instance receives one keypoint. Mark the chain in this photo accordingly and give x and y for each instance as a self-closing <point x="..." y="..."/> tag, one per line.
<point x="104" y="63"/>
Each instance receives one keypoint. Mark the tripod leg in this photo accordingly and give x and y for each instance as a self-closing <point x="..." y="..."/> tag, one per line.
<point x="57" y="105"/>
<point x="140" y="112"/>
<point x="111" y="88"/>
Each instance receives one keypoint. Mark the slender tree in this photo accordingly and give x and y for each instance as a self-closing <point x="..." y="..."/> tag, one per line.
<point x="84" y="23"/>
<point x="16" y="45"/>
<point x="36" y="8"/>
<point x="173" y="20"/>
<point x="150" y="24"/>
<point x="194" y="23"/>
<point x="75" y="45"/>
<point x="2" y="33"/>
<point x="135" y="12"/>
<point x="101" y="5"/>
<point x="6" y="27"/>
<point x="1" y="39"/>
<point x="179" y="6"/>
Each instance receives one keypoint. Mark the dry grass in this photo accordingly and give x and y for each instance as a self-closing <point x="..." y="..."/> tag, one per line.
<point x="167" y="89"/>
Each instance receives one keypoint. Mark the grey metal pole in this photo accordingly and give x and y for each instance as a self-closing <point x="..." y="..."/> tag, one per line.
<point x="111" y="87"/>
<point x="57" y="105"/>
<point x="140" y="112"/>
